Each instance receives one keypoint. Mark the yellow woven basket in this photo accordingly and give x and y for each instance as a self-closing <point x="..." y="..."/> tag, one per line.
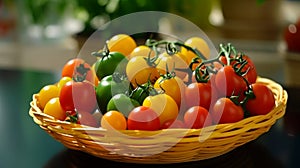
<point x="162" y="146"/>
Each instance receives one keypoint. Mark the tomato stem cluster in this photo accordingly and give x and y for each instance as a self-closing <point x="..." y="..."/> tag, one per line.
<point x="206" y="67"/>
<point x="80" y="73"/>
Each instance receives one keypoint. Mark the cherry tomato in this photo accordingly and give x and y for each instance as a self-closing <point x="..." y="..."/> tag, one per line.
<point x="54" y="109"/>
<point x="251" y="74"/>
<point x="172" y="86"/>
<point x="108" y="87"/>
<point x="229" y="83"/>
<point x="121" y="43"/>
<point x="143" y="118"/>
<point x="198" y="43"/>
<point x="164" y="105"/>
<point x="198" y="94"/>
<point x="197" y="117"/>
<point x="78" y="95"/>
<point x="292" y="37"/>
<point x="249" y="68"/>
<point x="122" y="103"/>
<point x="142" y="50"/>
<point x="114" y="120"/>
<point x="225" y="111"/>
<point x="46" y="93"/>
<point x="173" y="62"/>
<point x="263" y="102"/>
<point x="173" y="124"/>
<point x="139" y="71"/>
<point x="110" y="63"/>
<point x="70" y="69"/>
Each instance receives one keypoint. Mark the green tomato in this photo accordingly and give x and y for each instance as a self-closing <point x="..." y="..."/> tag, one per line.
<point x="110" y="86"/>
<point x="122" y="103"/>
<point x="110" y="63"/>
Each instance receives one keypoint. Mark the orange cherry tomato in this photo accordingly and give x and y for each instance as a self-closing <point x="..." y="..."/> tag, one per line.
<point x="114" y="120"/>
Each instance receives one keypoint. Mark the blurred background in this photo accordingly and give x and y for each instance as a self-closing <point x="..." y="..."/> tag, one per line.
<point x="43" y="34"/>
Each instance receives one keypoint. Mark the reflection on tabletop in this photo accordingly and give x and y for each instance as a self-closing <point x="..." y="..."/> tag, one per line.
<point x="250" y="155"/>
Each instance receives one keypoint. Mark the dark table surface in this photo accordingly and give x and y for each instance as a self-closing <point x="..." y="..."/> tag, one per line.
<point x="24" y="144"/>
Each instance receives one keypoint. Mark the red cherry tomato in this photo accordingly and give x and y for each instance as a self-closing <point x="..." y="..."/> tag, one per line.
<point x="80" y="96"/>
<point x="251" y="74"/>
<point x="249" y="68"/>
<point x="263" y="102"/>
<point x="225" y="111"/>
<point x="143" y="118"/>
<point x="198" y="94"/>
<point x="229" y="83"/>
<point x="292" y="37"/>
<point x="173" y="124"/>
<point x="197" y="117"/>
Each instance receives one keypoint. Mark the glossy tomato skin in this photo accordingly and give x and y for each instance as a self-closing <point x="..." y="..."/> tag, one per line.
<point x="198" y="94"/>
<point x="251" y="74"/>
<point x="107" y="65"/>
<point x="53" y="108"/>
<point x="249" y="69"/>
<point x="69" y="69"/>
<point x="114" y="120"/>
<point x="122" y="103"/>
<point x="139" y="71"/>
<point x="173" y="62"/>
<point x="66" y="97"/>
<point x="173" y="87"/>
<point x="46" y="93"/>
<point x="107" y="88"/>
<point x="200" y="44"/>
<point x="225" y="111"/>
<point x="292" y="37"/>
<point x="143" y="118"/>
<point x="164" y="105"/>
<point x="263" y="102"/>
<point x="173" y="124"/>
<point x="121" y="43"/>
<point x="197" y="117"/>
<point x="80" y="96"/>
<point x="229" y="83"/>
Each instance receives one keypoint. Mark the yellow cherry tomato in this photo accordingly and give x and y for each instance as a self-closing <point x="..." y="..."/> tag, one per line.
<point x="164" y="105"/>
<point x="139" y="71"/>
<point x="122" y="43"/>
<point x="142" y="50"/>
<point x="173" y="62"/>
<point x="54" y="109"/>
<point x="172" y="86"/>
<point x="46" y="93"/>
<point x="198" y="43"/>
<point x="114" y="120"/>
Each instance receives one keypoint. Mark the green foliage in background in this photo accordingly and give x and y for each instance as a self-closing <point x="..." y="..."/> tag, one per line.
<point x="94" y="13"/>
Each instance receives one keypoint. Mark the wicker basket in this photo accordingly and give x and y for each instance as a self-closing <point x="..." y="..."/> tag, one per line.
<point x="163" y="146"/>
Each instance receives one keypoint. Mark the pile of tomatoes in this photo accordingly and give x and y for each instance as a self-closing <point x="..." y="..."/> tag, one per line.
<point x="159" y="85"/>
